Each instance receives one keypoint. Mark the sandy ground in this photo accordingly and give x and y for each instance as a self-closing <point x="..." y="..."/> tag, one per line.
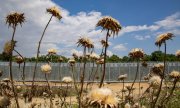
<point x="115" y="87"/>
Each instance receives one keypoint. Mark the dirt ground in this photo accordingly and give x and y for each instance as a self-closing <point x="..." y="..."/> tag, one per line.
<point x="115" y="87"/>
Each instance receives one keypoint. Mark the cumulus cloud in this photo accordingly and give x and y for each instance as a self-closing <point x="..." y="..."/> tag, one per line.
<point x="120" y="47"/>
<point x="139" y="37"/>
<point x="59" y="34"/>
<point x="109" y="53"/>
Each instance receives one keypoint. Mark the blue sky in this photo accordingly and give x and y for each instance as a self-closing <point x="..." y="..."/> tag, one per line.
<point x="142" y="22"/>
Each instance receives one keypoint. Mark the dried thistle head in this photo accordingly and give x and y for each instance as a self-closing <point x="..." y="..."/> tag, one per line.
<point x="52" y="51"/>
<point x="19" y="59"/>
<point x="67" y="79"/>
<point x="162" y="38"/>
<point x="60" y="59"/>
<point x="4" y="102"/>
<point x="157" y="69"/>
<point x="136" y="53"/>
<point x="55" y="12"/>
<point x="15" y="18"/>
<point x="144" y="64"/>
<point x="9" y="46"/>
<point x="102" y="97"/>
<point x="155" y="81"/>
<point x="104" y="43"/>
<point x="46" y="68"/>
<point x="85" y="42"/>
<point x="94" y="56"/>
<point x="72" y="61"/>
<point x="174" y="75"/>
<point x="100" y="61"/>
<point x="178" y="53"/>
<point x="122" y="77"/>
<point x="110" y="24"/>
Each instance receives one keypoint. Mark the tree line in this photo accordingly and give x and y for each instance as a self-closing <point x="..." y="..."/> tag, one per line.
<point x="154" y="56"/>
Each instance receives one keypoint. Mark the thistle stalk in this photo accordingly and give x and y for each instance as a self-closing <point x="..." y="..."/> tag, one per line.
<point x="37" y="57"/>
<point x="104" y="68"/>
<point x="163" y="74"/>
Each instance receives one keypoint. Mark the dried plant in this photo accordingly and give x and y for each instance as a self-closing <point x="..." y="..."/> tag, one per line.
<point x="161" y="39"/>
<point x="54" y="11"/>
<point x="178" y="53"/>
<point x="13" y="20"/>
<point x="102" y="97"/>
<point x="113" y="27"/>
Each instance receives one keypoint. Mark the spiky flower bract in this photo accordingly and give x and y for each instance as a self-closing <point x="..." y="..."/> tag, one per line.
<point x="19" y="59"/>
<point x="55" y="12"/>
<point x="102" y="97"/>
<point x="127" y="105"/>
<point x="52" y="51"/>
<point x="158" y="69"/>
<point x="15" y="18"/>
<point x="60" y="59"/>
<point x="174" y="75"/>
<point x="155" y="81"/>
<point x="100" y="61"/>
<point x="136" y="53"/>
<point x="67" y="79"/>
<point x="162" y="38"/>
<point x="85" y="42"/>
<point x="122" y="77"/>
<point x="71" y="61"/>
<point x="46" y="68"/>
<point x="178" y="53"/>
<point x="94" y="56"/>
<point x="109" y="23"/>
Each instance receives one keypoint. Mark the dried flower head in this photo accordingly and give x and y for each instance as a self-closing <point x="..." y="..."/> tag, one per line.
<point x="72" y="61"/>
<point x="75" y="55"/>
<point x="157" y="69"/>
<point x="104" y="43"/>
<point x="52" y="51"/>
<point x="85" y="42"/>
<point x="67" y="79"/>
<point x="19" y="59"/>
<point x="144" y="64"/>
<point x="155" y="81"/>
<point x="15" y="18"/>
<point x="146" y="77"/>
<point x="46" y="68"/>
<point x="162" y="38"/>
<point x="122" y="77"/>
<point x="100" y="61"/>
<point x="9" y="46"/>
<point x="55" y="12"/>
<point x="136" y="53"/>
<point x="174" y="75"/>
<point x="94" y="56"/>
<point x="127" y="105"/>
<point x="136" y="105"/>
<point x="103" y="97"/>
<point x="6" y="80"/>
<point x="110" y="24"/>
<point x="60" y="59"/>
<point x="178" y="53"/>
<point x="4" y="102"/>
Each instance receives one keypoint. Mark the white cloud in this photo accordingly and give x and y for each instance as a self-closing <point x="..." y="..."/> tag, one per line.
<point x="170" y="22"/>
<point x="109" y="53"/>
<point x="120" y="47"/>
<point x="139" y="37"/>
<point x="59" y="34"/>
